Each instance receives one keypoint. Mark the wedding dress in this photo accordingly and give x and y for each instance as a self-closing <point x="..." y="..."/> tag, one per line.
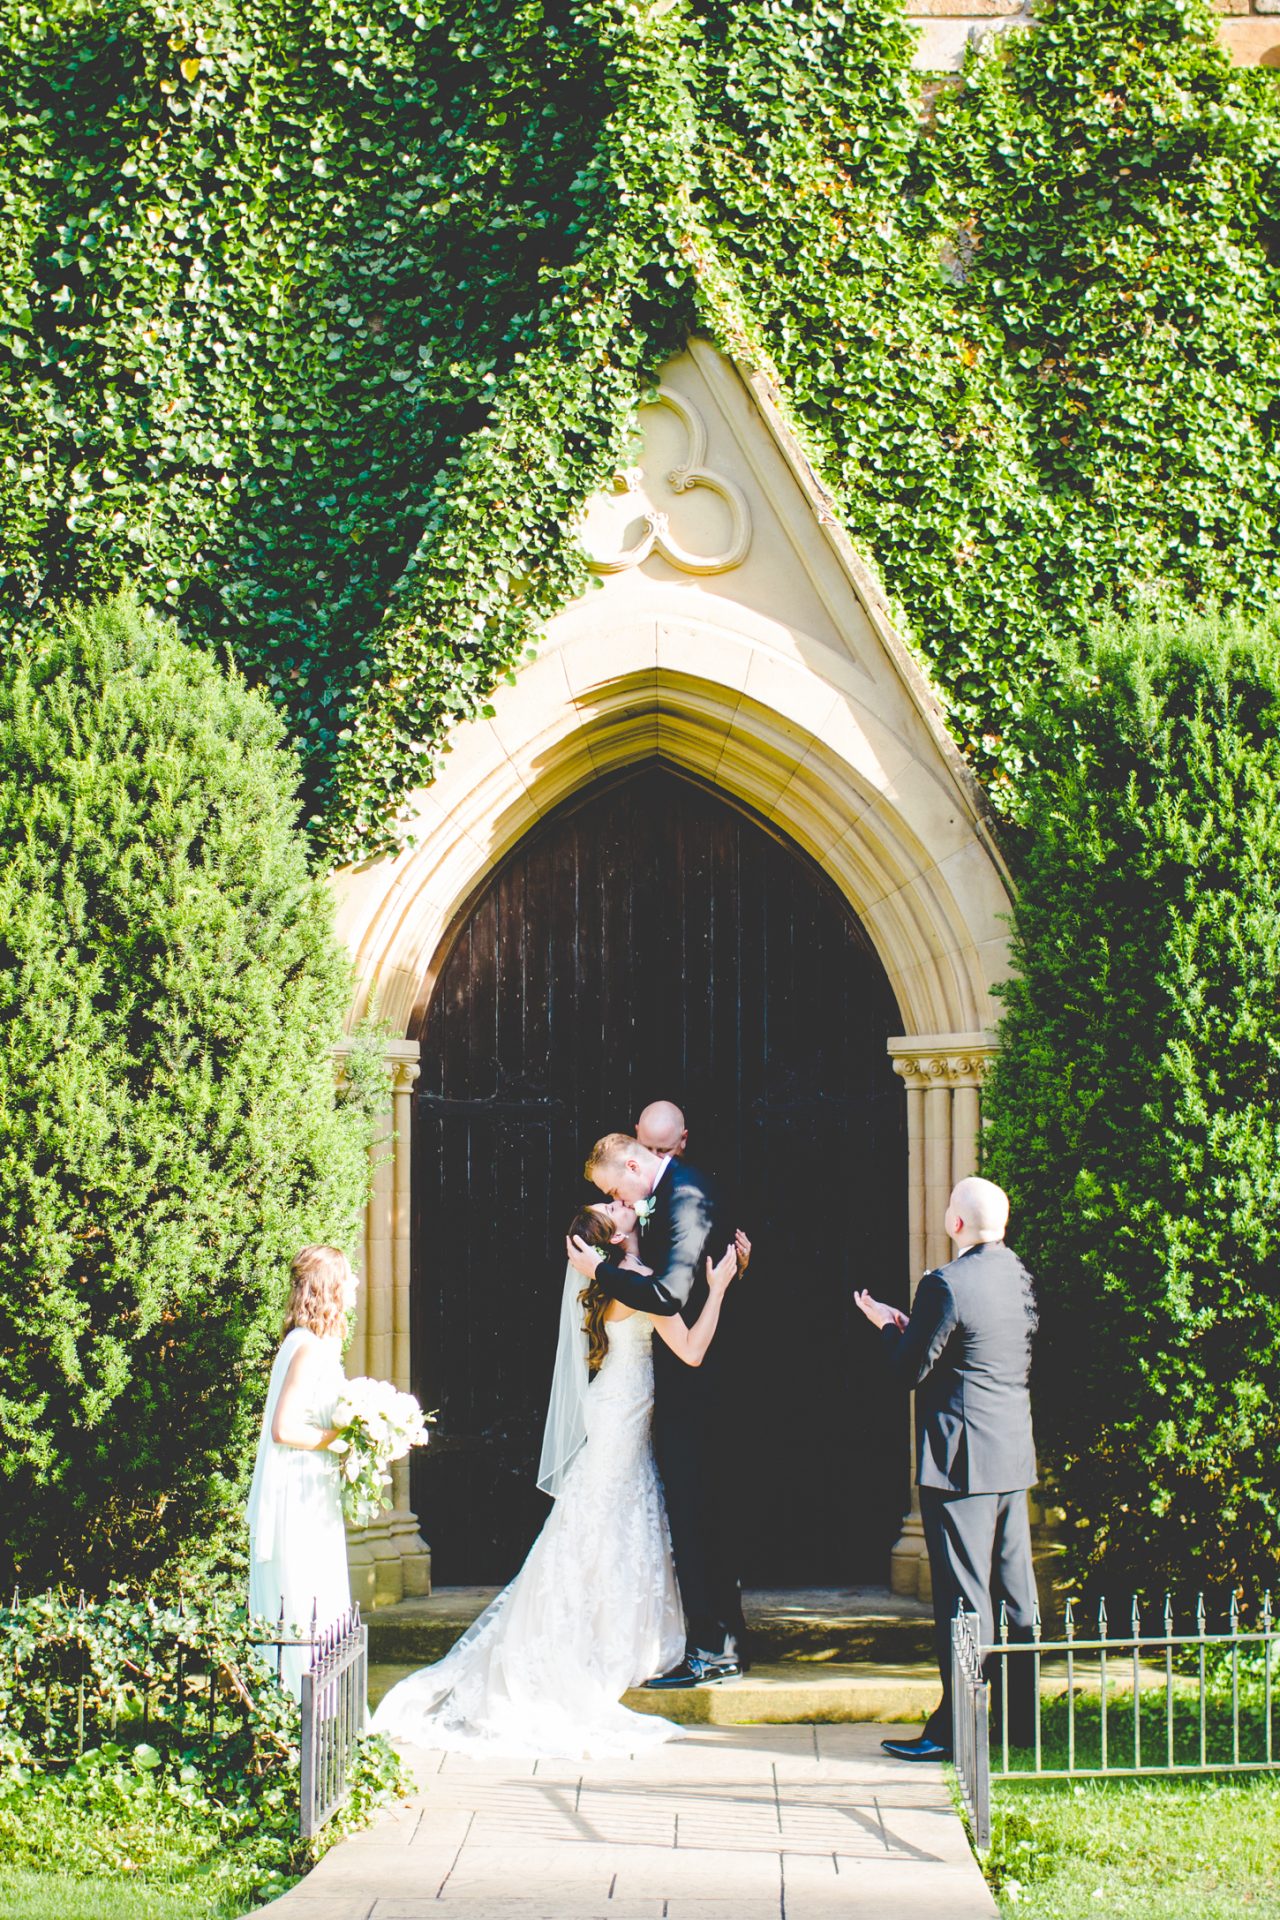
<point x="594" y="1610"/>
<point x="297" y="1540"/>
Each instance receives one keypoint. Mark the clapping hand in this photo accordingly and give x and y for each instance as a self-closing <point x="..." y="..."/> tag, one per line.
<point x="878" y="1313"/>
<point x="742" y="1246"/>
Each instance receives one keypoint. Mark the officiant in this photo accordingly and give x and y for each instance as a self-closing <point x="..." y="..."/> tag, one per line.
<point x="966" y="1351"/>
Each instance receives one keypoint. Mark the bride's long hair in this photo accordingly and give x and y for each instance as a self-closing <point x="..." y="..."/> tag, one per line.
<point x="597" y="1230"/>
<point x="319" y="1276"/>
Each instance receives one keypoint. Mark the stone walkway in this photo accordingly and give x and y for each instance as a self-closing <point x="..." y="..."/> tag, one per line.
<point x="724" y="1823"/>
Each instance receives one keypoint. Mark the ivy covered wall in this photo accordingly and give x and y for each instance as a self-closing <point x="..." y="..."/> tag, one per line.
<point x="321" y="324"/>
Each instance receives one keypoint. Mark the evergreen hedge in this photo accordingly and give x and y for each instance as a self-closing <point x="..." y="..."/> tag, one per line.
<point x="171" y="992"/>
<point x="1134" y="1110"/>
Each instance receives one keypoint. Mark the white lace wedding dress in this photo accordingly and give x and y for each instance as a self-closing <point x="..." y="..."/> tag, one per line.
<point x="594" y="1610"/>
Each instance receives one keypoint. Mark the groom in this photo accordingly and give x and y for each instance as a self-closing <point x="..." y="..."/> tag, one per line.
<point x="679" y="1225"/>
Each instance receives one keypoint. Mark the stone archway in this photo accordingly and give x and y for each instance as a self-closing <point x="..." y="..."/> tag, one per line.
<point x="753" y="651"/>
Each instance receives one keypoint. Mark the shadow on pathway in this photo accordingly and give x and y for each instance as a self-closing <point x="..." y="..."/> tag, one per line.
<point x="724" y="1823"/>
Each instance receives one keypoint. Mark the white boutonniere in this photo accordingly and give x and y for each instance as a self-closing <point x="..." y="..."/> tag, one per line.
<point x="644" y="1212"/>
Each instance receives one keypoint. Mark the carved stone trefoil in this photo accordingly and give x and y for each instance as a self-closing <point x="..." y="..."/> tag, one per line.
<point x="690" y="472"/>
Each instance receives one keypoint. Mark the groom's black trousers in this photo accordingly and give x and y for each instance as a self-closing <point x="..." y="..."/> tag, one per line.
<point x="687" y="1445"/>
<point x="980" y="1552"/>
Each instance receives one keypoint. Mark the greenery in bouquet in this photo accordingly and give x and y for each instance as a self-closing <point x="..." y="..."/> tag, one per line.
<point x="377" y="1425"/>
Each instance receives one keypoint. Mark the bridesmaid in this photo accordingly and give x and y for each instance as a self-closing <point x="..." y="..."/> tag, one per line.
<point x="297" y="1541"/>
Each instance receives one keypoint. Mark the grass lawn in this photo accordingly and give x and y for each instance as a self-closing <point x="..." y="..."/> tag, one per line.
<point x="63" y="1896"/>
<point x="1204" y="1849"/>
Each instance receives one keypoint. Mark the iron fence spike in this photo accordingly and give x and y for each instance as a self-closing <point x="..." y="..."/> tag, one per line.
<point x="1102" y="1617"/>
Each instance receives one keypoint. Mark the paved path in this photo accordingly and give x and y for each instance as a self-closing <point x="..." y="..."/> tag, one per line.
<point x="725" y="1823"/>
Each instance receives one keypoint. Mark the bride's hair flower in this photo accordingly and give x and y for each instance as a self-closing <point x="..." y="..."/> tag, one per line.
<point x="377" y="1424"/>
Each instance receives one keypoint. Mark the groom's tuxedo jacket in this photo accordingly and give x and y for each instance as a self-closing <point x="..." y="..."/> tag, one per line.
<point x="680" y="1234"/>
<point x="967" y="1352"/>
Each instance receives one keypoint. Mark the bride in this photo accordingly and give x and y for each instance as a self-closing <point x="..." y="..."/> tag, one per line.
<point x="595" y="1608"/>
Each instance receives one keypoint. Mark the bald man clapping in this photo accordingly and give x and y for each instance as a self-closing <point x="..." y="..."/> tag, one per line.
<point x="966" y="1350"/>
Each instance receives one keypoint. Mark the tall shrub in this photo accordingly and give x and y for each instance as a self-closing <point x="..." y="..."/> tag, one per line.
<point x="171" y="990"/>
<point x="1135" y="1106"/>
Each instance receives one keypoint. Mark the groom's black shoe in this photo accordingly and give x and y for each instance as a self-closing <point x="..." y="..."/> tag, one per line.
<point x="694" y="1671"/>
<point x="921" y="1749"/>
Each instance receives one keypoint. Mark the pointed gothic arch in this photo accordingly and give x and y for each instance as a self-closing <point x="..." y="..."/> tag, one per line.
<point x="746" y="644"/>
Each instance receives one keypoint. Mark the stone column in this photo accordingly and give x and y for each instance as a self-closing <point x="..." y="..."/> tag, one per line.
<point x="943" y="1076"/>
<point x="412" y="1552"/>
<point x="388" y="1558"/>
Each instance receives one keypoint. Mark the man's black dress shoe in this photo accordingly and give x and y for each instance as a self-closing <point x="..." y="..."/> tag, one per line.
<point x="695" y="1672"/>
<point x="921" y="1749"/>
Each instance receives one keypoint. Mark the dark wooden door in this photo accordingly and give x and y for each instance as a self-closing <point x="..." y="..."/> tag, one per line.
<point x="652" y="941"/>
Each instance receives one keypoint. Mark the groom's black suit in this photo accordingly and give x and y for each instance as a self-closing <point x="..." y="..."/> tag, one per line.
<point x="687" y="1428"/>
<point x="967" y="1351"/>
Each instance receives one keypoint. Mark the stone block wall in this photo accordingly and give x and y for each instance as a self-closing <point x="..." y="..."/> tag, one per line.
<point x="1250" y="29"/>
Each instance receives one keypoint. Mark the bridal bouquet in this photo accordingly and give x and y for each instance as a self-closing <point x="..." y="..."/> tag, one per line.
<point x="376" y="1425"/>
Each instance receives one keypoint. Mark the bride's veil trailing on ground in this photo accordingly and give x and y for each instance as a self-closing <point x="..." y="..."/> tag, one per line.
<point x="566" y="1428"/>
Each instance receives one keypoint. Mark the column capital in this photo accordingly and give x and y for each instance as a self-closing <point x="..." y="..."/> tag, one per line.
<point x="401" y="1059"/>
<point x="943" y="1059"/>
<point x="404" y="1074"/>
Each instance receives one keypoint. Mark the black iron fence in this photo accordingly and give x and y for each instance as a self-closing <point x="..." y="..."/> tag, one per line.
<point x="1111" y="1704"/>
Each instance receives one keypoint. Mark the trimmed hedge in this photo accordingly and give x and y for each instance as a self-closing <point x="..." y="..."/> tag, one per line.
<point x="171" y="991"/>
<point x="1134" y="1110"/>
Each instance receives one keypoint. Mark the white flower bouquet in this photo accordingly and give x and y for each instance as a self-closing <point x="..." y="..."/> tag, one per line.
<point x="376" y="1424"/>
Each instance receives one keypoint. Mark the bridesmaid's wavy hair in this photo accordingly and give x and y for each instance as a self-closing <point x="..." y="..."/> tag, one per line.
<point x="319" y="1275"/>
<point x="597" y="1230"/>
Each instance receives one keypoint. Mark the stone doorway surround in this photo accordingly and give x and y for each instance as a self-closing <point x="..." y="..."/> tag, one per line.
<point x="734" y="633"/>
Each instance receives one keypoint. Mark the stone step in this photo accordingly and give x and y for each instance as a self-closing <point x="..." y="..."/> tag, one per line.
<point x="808" y="1628"/>
<point x="782" y="1693"/>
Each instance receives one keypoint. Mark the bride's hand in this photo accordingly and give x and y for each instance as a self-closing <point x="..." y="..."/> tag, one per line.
<point x="719" y="1276"/>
